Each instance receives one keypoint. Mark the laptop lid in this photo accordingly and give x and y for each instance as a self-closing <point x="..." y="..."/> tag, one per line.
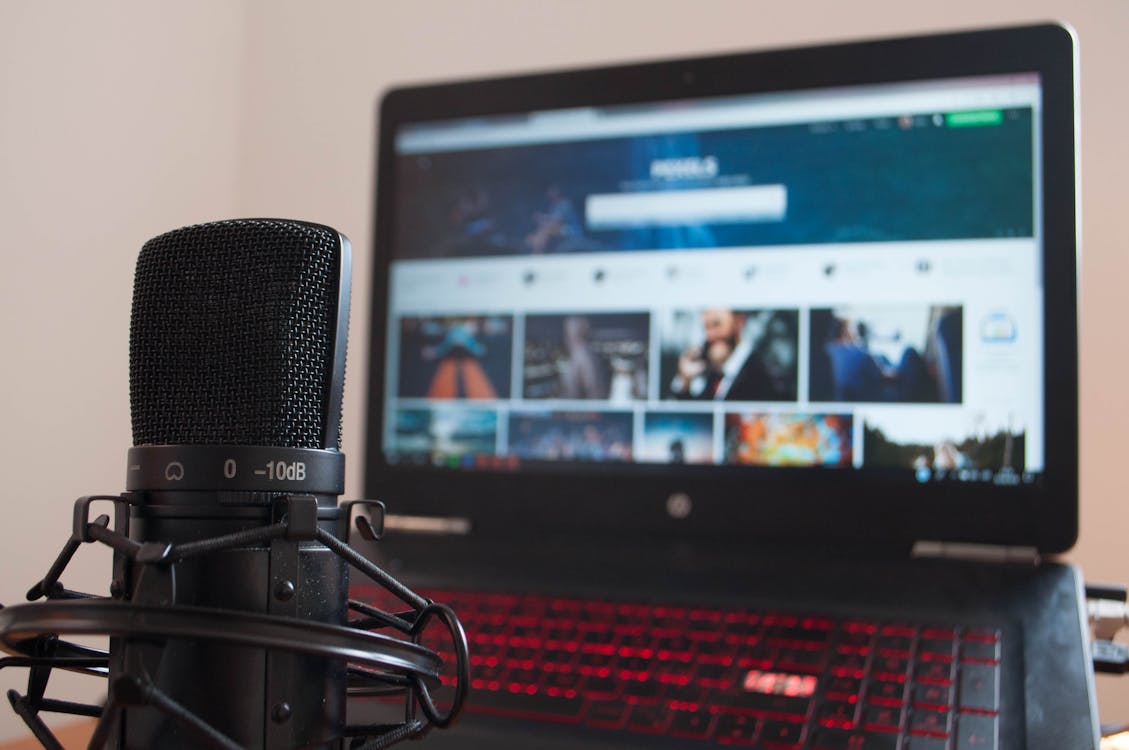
<point x="809" y="295"/>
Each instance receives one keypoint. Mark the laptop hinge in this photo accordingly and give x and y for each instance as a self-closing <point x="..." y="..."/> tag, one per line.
<point x="440" y="525"/>
<point x="969" y="552"/>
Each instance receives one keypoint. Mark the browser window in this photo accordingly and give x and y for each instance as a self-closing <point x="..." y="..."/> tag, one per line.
<point x="837" y="278"/>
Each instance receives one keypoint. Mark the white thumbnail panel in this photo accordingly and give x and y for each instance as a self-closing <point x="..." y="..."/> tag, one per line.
<point x="1003" y="366"/>
<point x="791" y="276"/>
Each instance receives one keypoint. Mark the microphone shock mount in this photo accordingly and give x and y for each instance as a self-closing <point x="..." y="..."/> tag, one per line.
<point x="380" y="649"/>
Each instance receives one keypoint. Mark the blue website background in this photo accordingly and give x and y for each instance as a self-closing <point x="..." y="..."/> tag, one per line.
<point x="873" y="180"/>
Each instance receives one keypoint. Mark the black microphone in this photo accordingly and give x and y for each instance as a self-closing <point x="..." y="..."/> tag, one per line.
<point x="229" y="617"/>
<point x="237" y="367"/>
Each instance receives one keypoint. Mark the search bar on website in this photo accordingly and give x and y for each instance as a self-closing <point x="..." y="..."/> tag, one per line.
<point x="734" y="205"/>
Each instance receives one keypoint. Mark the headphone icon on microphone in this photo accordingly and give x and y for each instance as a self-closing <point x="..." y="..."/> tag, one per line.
<point x="174" y="472"/>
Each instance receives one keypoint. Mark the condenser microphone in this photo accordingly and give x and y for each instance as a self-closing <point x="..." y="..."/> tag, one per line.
<point x="237" y="365"/>
<point x="229" y="619"/>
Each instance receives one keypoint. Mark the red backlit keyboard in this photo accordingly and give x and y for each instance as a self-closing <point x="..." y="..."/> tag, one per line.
<point x="775" y="680"/>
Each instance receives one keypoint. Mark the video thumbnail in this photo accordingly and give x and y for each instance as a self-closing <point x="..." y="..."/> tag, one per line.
<point x="789" y="439"/>
<point x="455" y="357"/>
<point x="945" y="443"/>
<point x="448" y="431"/>
<point x="571" y="436"/>
<point x="729" y="355"/>
<point x="589" y="356"/>
<point x="677" y="438"/>
<point x="890" y="354"/>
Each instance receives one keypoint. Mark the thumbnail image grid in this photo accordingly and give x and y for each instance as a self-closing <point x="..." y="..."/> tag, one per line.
<point x="887" y="354"/>
<point x="726" y="354"/>
<point x="571" y="436"/>
<point x="979" y="441"/>
<point x="789" y="439"/>
<point x="677" y="438"/>
<point x="906" y="354"/>
<point x="455" y="357"/>
<point x="426" y="433"/>
<point x="600" y="356"/>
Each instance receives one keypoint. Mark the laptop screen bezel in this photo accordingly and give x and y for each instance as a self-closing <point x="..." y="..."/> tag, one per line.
<point x="784" y="506"/>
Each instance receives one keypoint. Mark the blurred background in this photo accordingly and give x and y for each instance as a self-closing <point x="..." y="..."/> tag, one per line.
<point x="122" y="119"/>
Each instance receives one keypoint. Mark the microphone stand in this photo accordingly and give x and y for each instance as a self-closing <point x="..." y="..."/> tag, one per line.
<point x="379" y="664"/>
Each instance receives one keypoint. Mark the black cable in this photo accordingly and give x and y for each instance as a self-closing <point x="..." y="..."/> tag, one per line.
<point x="256" y="535"/>
<point x="368" y="568"/>
<point x="33" y="722"/>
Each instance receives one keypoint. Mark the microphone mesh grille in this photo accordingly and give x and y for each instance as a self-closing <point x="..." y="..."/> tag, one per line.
<point x="232" y="335"/>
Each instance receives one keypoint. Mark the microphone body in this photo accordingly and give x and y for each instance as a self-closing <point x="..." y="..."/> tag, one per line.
<point x="229" y="622"/>
<point x="237" y="352"/>
<point x="258" y="697"/>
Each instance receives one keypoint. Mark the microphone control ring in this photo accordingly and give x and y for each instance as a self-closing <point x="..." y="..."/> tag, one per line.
<point x="259" y="471"/>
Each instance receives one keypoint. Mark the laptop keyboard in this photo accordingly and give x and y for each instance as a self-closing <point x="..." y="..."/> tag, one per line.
<point x="766" y="679"/>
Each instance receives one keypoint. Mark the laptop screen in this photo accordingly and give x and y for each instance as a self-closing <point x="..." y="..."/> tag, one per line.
<point x="832" y="280"/>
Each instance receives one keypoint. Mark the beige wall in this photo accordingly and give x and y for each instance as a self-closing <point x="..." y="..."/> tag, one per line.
<point x="117" y="121"/>
<point x="120" y="120"/>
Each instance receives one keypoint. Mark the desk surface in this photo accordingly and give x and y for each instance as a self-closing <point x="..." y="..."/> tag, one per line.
<point x="77" y="734"/>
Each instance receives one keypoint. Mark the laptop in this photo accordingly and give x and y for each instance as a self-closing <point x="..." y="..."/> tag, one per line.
<point x="733" y="400"/>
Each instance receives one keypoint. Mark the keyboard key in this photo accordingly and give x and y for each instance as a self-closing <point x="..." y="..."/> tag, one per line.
<point x="885" y="693"/>
<point x="789" y="636"/>
<point x="735" y="729"/>
<point x="775" y="706"/>
<point x="983" y="635"/>
<point x="801" y="660"/>
<point x="925" y="743"/>
<point x="890" y="668"/>
<point x="842" y="688"/>
<point x="605" y="714"/>
<point x="848" y="665"/>
<point x="539" y="706"/>
<point x="930" y="723"/>
<point x="686" y="697"/>
<point x="903" y="630"/>
<point x="523" y="677"/>
<point x="976" y="732"/>
<point x="980" y="651"/>
<point x="896" y="645"/>
<point x="691" y="724"/>
<point x="835" y="739"/>
<point x="782" y="733"/>
<point x="642" y="691"/>
<point x="837" y="714"/>
<point x="555" y="661"/>
<point x="636" y="645"/>
<point x="632" y="668"/>
<point x="979" y="687"/>
<point x="933" y="696"/>
<point x="705" y="616"/>
<point x="936" y="649"/>
<point x="935" y="672"/>
<point x="859" y="626"/>
<point x="882" y="719"/>
<point x="647" y="719"/>
<point x="715" y="675"/>
<point x="602" y="687"/>
<point x="854" y="643"/>
<point x="592" y="663"/>
<point x="674" y="677"/>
